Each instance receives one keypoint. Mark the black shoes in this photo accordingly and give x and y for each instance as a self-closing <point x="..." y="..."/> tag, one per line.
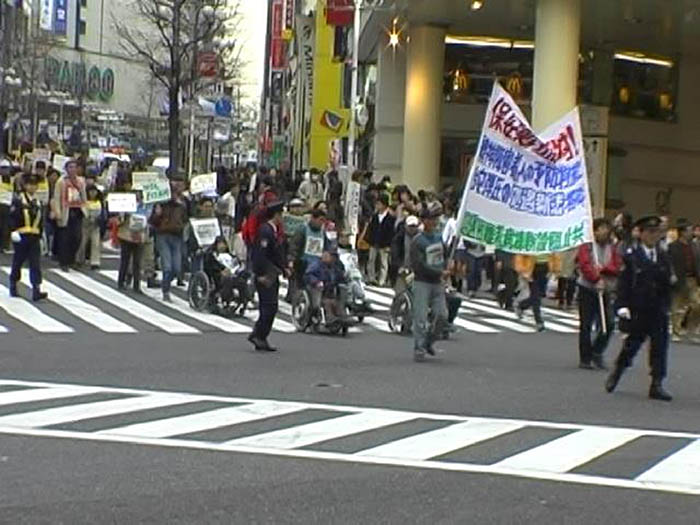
<point x="260" y="344"/>
<point x="38" y="295"/>
<point x="13" y="290"/>
<point x="656" y="391"/>
<point x="613" y="379"/>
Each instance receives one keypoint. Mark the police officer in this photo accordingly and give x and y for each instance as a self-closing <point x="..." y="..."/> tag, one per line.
<point x="268" y="261"/>
<point x="643" y="303"/>
<point x="428" y="262"/>
<point x="26" y="220"/>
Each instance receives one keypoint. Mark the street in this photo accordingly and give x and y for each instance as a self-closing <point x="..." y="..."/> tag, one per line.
<point x="160" y="417"/>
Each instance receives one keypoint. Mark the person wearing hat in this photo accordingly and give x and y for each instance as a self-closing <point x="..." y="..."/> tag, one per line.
<point x="428" y="260"/>
<point x="26" y="220"/>
<point x="67" y="208"/>
<point x="685" y="257"/>
<point x="643" y="302"/>
<point x="268" y="263"/>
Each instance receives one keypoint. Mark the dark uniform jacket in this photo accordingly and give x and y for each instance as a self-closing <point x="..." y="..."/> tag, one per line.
<point x="268" y="255"/>
<point x="644" y="286"/>
<point x="26" y="215"/>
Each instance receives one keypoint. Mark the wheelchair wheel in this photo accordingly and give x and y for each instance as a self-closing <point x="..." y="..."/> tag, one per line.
<point x="400" y="313"/>
<point x="199" y="291"/>
<point x="301" y="310"/>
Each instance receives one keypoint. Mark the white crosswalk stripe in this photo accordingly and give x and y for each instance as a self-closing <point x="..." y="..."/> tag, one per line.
<point x="317" y="431"/>
<point x="477" y="315"/>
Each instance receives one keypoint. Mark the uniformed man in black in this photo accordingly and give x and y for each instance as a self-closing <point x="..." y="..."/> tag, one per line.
<point x="269" y="262"/>
<point x="26" y="220"/>
<point x="643" y="303"/>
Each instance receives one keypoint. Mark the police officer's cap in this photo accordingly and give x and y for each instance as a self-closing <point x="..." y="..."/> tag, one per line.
<point x="648" y="222"/>
<point x="29" y="178"/>
<point x="275" y="207"/>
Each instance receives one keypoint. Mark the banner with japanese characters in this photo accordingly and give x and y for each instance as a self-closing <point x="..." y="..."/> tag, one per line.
<point x="527" y="193"/>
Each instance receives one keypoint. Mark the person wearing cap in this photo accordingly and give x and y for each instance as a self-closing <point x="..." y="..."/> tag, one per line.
<point x="268" y="263"/>
<point x="26" y="219"/>
<point x="643" y="303"/>
<point x="168" y="220"/>
<point x="401" y="250"/>
<point x="428" y="260"/>
<point x="685" y="257"/>
<point x="67" y="208"/>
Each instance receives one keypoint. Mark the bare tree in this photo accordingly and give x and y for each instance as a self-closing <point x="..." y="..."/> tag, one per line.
<point x="169" y="37"/>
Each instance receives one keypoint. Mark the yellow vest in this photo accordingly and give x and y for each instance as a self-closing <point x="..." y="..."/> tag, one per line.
<point x="30" y="227"/>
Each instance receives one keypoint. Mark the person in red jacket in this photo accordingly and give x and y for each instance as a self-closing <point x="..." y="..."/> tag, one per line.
<point x="598" y="276"/>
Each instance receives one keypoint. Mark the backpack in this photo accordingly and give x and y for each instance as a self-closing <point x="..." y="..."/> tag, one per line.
<point x="249" y="229"/>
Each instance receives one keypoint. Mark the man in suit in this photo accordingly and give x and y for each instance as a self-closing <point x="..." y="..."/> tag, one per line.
<point x="684" y="260"/>
<point x="644" y="299"/>
<point x="380" y="233"/>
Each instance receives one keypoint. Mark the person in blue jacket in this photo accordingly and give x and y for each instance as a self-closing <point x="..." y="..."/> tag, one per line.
<point x="323" y="279"/>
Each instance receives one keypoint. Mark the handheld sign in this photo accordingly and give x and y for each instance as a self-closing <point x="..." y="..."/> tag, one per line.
<point x="527" y="194"/>
<point x="157" y="190"/>
<point x="139" y="178"/>
<point x="59" y="162"/>
<point x="203" y="183"/>
<point x="121" y="202"/>
<point x="205" y="231"/>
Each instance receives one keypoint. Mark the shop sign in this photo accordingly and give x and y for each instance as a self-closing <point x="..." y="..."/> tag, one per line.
<point x="77" y="79"/>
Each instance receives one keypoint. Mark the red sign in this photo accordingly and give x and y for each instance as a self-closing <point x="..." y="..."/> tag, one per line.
<point x="207" y="64"/>
<point x="340" y="12"/>
<point x="277" y="19"/>
<point x="278" y="56"/>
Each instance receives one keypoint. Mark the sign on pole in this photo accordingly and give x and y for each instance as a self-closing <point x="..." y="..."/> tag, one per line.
<point x="203" y="183"/>
<point x="527" y="193"/>
<point x="352" y="207"/>
<point x="121" y="202"/>
<point x="205" y="231"/>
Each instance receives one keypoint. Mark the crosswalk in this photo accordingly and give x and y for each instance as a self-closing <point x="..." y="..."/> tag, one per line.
<point x="559" y="452"/>
<point x="82" y="301"/>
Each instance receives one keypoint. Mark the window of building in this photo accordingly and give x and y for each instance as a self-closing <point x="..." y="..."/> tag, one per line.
<point x="83" y="3"/>
<point x="82" y="27"/>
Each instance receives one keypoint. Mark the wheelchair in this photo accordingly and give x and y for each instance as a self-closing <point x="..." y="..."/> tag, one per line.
<point x="401" y="314"/>
<point x="305" y="317"/>
<point x="203" y="295"/>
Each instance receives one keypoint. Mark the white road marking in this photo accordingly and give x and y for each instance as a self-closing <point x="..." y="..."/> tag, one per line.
<point x="441" y="441"/>
<point x="471" y="326"/>
<point x="678" y="473"/>
<point x="132" y="307"/>
<point x="319" y="431"/>
<point x="199" y="422"/>
<point x="42" y="394"/>
<point x="510" y="315"/>
<point x="570" y="451"/>
<point x="181" y="306"/>
<point x="72" y="413"/>
<point x="27" y="313"/>
<point x="82" y="310"/>
<point x="683" y="468"/>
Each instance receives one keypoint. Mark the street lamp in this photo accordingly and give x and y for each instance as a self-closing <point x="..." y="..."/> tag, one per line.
<point x="476" y="5"/>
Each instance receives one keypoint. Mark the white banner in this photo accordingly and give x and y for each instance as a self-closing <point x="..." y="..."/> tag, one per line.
<point x="59" y="162"/>
<point x="121" y="202"/>
<point x="307" y="43"/>
<point x="352" y="207"/>
<point x="203" y="183"/>
<point x="46" y="15"/>
<point x="527" y="193"/>
<point x="205" y="231"/>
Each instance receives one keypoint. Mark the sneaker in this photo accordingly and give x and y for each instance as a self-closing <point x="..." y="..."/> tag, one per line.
<point x="65" y="268"/>
<point x="180" y="282"/>
<point x="540" y="327"/>
<point x="39" y="296"/>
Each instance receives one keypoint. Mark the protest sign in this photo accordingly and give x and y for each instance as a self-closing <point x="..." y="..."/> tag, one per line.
<point x="205" y="231"/>
<point x="157" y="190"/>
<point x="352" y="207"/>
<point x="527" y="193"/>
<point x="121" y="202"/>
<point x="42" y="154"/>
<point x="59" y="162"/>
<point x="42" y="190"/>
<point x="203" y="183"/>
<point x="139" y="178"/>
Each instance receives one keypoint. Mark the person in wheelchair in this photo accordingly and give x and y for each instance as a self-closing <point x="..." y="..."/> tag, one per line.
<point x="326" y="282"/>
<point x="227" y="273"/>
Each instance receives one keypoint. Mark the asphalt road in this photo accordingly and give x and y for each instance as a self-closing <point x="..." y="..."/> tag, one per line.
<point x="507" y="375"/>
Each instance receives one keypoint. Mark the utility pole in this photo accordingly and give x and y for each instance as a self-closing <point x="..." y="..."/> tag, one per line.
<point x="357" y="21"/>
